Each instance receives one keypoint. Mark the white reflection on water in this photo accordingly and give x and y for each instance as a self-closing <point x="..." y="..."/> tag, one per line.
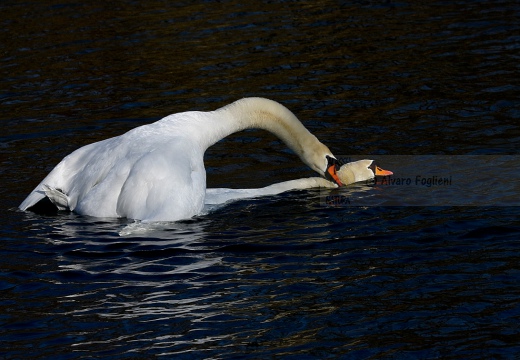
<point x="176" y="282"/>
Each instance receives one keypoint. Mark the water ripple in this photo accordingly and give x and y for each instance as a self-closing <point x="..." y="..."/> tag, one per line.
<point x="284" y="276"/>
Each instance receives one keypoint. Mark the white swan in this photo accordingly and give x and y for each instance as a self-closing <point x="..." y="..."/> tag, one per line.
<point x="156" y="172"/>
<point x="348" y="173"/>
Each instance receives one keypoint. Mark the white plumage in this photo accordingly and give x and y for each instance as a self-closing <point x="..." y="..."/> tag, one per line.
<point x="156" y="171"/>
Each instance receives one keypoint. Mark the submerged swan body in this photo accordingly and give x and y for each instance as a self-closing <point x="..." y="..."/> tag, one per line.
<point x="156" y="171"/>
<point x="348" y="173"/>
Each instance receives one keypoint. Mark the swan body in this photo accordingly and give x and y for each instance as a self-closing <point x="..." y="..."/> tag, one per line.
<point x="156" y="171"/>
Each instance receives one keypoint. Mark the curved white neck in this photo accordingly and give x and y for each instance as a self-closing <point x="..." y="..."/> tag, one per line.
<point x="269" y="115"/>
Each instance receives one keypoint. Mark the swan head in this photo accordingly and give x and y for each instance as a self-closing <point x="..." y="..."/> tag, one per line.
<point x="320" y="159"/>
<point x="361" y="170"/>
<point x="331" y="172"/>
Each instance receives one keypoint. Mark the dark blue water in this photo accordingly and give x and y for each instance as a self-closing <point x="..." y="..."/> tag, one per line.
<point x="285" y="276"/>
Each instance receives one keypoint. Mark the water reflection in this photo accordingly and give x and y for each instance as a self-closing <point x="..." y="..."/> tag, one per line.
<point x="352" y="278"/>
<point x="198" y="279"/>
<point x="170" y="269"/>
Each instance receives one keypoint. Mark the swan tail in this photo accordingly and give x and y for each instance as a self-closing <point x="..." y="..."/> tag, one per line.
<point x="57" y="197"/>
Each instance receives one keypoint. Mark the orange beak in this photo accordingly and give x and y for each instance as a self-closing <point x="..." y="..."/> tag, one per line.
<point x="331" y="170"/>
<point x="380" y="172"/>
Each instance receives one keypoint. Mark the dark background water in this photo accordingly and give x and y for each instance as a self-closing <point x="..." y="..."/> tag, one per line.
<point x="282" y="276"/>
